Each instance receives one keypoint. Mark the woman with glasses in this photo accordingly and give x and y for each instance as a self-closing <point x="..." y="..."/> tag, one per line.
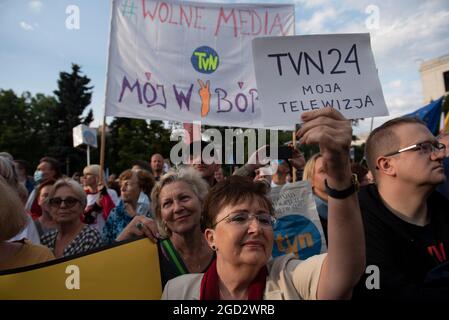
<point x="66" y="202"/>
<point x="238" y="224"/>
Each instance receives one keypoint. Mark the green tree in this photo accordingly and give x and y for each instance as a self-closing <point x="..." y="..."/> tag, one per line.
<point x="73" y="96"/>
<point x="13" y="122"/>
<point x="135" y="139"/>
<point x="25" y="124"/>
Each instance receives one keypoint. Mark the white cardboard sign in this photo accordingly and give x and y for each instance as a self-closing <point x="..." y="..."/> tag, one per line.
<point x="302" y="73"/>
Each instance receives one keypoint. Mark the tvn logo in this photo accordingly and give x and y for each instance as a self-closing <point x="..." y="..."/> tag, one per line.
<point x="205" y="60"/>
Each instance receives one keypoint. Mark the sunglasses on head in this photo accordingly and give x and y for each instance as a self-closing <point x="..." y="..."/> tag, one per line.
<point x="57" y="202"/>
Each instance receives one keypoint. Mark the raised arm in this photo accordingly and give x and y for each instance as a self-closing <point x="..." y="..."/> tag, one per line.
<point x="345" y="261"/>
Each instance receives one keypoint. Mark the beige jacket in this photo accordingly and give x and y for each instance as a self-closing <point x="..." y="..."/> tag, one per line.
<point x="288" y="279"/>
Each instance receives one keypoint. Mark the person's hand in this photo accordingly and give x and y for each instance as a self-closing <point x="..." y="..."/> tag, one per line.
<point x="102" y="190"/>
<point x="139" y="226"/>
<point x="258" y="159"/>
<point x="333" y="133"/>
<point x="298" y="161"/>
<point x="204" y="93"/>
<point x="264" y="174"/>
<point x="98" y="201"/>
<point x="89" y="217"/>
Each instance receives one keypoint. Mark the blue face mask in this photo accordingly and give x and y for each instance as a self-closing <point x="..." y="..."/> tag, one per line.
<point x="38" y="176"/>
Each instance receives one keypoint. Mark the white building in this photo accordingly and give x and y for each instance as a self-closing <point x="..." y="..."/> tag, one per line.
<point x="435" y="78"/>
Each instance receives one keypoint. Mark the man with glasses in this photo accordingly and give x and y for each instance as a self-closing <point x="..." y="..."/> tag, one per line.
<point x="444" y="187"/>
<point x="406" y="221"/>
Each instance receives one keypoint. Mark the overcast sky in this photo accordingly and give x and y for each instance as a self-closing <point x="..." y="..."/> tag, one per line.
<point x="36" y="45"/>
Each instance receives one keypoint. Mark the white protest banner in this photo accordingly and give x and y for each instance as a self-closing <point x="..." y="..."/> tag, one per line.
<point x="301" y="73"/>
<point x="298" y="228"/>
<point x="188" y="61"/>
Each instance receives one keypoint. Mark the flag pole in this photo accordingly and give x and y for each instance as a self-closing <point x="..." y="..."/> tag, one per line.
<point x="103" y="127"/>
<point x="102" y="148"/>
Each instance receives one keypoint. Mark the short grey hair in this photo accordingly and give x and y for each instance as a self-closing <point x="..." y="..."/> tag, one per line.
<point x="73" y="185"/>
<point x="185" y="174"/>
<point x="8" y="172"/>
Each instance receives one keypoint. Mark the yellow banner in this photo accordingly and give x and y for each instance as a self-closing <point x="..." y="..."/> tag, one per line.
<point x="128" y="271"/>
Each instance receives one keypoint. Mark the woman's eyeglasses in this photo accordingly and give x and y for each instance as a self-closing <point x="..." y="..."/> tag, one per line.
<point x="69" y="202"/>
<point x="265" y="220"/>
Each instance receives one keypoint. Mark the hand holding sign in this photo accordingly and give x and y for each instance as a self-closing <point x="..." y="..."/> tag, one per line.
<point x="333" y="133"/>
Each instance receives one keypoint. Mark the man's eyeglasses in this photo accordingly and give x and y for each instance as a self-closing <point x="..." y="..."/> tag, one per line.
<point x="426" y="147"/>
<point x="69" y="202"/>
<point x="265" y="220"/>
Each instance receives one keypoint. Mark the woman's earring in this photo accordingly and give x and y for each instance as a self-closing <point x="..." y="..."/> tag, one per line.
<point x="214" y="248"/>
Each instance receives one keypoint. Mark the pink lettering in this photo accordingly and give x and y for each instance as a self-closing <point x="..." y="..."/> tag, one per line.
<point x="163" y="5"/>
<point x="277" y="18"/>
<point x="222" y="16"/>
<point x="253" y="23"/>
<point x="182" y="13"/>
<point x="148" y="13"/>
<point x="171" y="15"/>
<point x="197" y="18"/>
<point x="243" y="21"/>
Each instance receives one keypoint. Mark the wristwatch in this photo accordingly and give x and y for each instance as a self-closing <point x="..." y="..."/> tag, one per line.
<point x="342" y="194"/>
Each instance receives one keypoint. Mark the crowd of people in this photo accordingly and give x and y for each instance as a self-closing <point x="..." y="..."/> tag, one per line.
<point x="214" y="233"/>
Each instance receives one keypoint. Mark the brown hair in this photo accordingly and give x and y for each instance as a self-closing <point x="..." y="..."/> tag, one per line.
<point x="384" y="140"/>
<point x="359" y="170"/>
<point x="144" y="178"/>
<point x="54" y="164"/>
<point x="45" y="183"/>
<point x="12" y="213"/>
<point x="231" y="191"/>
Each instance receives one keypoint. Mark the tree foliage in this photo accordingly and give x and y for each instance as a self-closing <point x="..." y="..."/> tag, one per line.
<point x="135" y="139"/>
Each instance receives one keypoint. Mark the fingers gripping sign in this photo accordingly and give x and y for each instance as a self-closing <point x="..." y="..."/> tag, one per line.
<point x="140" y="226"/>
<point x="332" y="132"/>
<point x="204" y="93"/>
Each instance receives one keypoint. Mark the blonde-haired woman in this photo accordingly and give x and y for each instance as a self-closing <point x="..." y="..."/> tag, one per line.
<point x="177" y="201"/>
<point x="100" y="199"/>
<point x="13" y="219"/>
<point x="315" y="173"/>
